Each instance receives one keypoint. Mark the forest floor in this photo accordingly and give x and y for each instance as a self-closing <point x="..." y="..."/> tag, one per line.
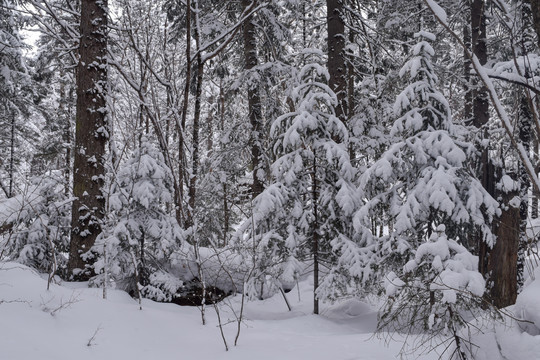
<point x="71" y="321"/>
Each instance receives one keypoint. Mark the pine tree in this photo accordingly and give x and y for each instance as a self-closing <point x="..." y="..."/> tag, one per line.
<point x="139" y="240"/>
<point x="434" y="202"/>
<point x="15" y="95"/>
<point x="39" y="224"/>
<point x="309" y="200"/>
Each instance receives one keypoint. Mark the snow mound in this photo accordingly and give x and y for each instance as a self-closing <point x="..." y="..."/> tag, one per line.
<point x="528" y="305"/>
<point x="349" y="308"/>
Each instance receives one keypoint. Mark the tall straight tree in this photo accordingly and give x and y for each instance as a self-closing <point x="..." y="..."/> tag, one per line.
<point x="91" y="136"/>
<point x="480" y="113"/>
<point x="254" y="103"/>
<point x="336" y="55"/>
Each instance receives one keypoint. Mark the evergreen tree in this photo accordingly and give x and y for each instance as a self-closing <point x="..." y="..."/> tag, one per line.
<point x="16" y="96"/>
<point x="434" y="202"/>
<point x="141" y="235"/>
<point x="39" y="224"/>
<point x="308" y="203"/>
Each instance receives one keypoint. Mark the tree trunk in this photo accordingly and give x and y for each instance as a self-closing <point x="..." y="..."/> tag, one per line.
<point x="525" y="129"/>
<point x="254" y="105"/>
<point x="90" y="137"/>
<point x="535" y="194"/>
<point x="502" y="263"/>
<point x="480" y="113"/>
<point x="506" y="261"/>
<point x="192" y="190"/>
<point x="535" y="9"/>
<point x="350" y="93"/>
<point x="315" y="239"/>
<point x="336" y="55"/>
<point x="12" y="155"/>
<point x="182" y="126"/>
<point x="467" y="67"/>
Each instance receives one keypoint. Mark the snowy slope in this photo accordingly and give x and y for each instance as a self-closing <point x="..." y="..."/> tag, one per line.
<point x="33" y="326"/>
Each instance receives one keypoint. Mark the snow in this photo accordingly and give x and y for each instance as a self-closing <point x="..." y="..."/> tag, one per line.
<point x="437" y="10"/>
<point x="527" y="304"/>
<point x="71" y="321"/>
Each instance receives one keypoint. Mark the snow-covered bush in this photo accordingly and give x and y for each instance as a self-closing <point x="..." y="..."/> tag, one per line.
<point x="309" y="200"/>
<point x="141" y="235"/>
<point x="437" y="291"/>
<point x="36" y="224"/>
<point x="433" y="202"/>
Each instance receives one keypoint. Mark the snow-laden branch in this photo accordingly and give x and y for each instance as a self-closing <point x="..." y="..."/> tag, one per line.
<point x="227" y="35"/>
<point x="440" y="15"/>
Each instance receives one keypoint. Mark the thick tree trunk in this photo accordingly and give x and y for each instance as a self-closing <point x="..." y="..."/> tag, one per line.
<point x="90" y="137"/>
<point x="336" y="55"/>
<point x="502" y="264"/>
<point x="254" y="104"/>
<point x="508" y="253"/>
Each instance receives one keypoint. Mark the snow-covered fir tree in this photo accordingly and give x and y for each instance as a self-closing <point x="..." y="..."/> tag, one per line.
<point x="141" y="235"/>
<point x="38" y="222"/>
<point x="309" y="202"/>
<point x="433" y="201"/>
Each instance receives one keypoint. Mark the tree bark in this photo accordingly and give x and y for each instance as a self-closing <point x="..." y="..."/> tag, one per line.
<point x="315" y="235"/>
<point x="192" y="191"/>
<point x="502" y="263"/>
<point x="91" y="137"/>
<point x="480" y="116"/>
<point x="525" y="129"/>
<point x="254" y="105"/>
<point x="535" y="10"/>
<point x="336" y="55"/>
<point x="12" y="155"/>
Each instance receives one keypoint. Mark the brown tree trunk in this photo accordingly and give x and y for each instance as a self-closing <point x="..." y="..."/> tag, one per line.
<point x="502" y="263"/>
<point x="90" y="137"/>
<point x="506" y="260"/>
<point x="254" y="105"/>
<point x="336" y="55"/>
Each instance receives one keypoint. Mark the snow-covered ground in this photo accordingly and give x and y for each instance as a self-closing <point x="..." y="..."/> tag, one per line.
<point x="70" y="321"/>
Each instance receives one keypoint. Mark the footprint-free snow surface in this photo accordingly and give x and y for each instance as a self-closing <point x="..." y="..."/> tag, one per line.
<point x="71" y="321"/>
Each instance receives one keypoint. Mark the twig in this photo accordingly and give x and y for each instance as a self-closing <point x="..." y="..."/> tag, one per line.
<point x="93" y="336"/>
